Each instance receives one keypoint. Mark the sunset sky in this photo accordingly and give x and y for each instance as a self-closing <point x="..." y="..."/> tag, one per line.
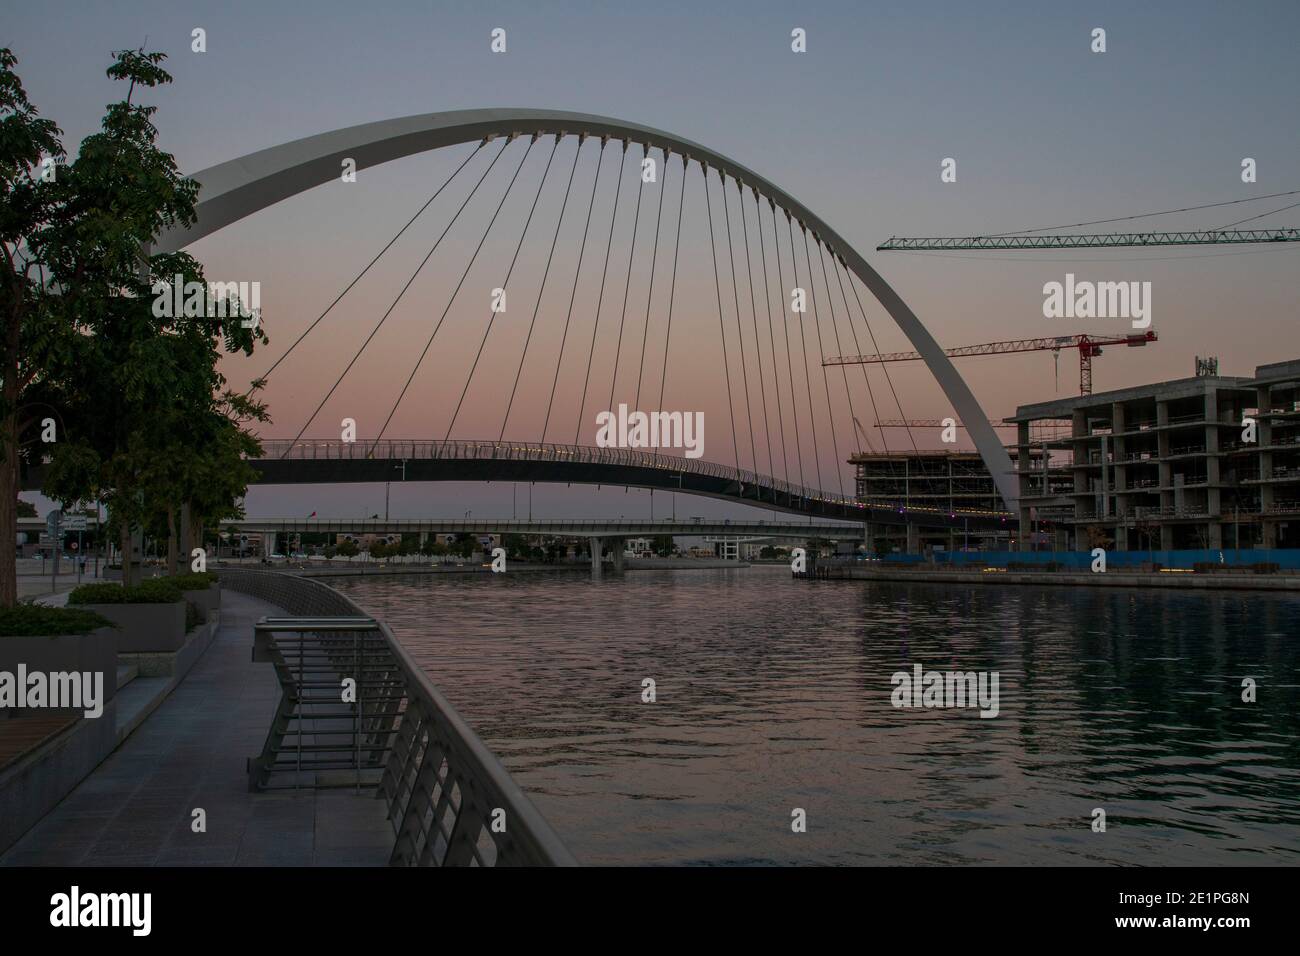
<point x="1043" y="131"/>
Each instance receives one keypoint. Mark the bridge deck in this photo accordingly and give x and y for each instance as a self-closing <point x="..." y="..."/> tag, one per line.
<point x="330" y="461"/>
<point x="135" y="808"/>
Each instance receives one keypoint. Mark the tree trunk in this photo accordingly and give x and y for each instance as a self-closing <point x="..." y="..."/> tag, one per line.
<point x="9" y="512"/>
<point x="171" y="540"/>
<point x="128" y="568"/>
<point x="196" y="531"/>
<point x="187" y="539"/>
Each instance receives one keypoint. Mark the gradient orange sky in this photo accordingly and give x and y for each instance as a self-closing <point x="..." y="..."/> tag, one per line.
<point x="1043" y="131"/>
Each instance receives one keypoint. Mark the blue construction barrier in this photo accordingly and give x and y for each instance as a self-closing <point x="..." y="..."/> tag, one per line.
<point x="1285" y="558"/>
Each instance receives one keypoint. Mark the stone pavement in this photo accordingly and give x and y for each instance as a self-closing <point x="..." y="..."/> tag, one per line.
<point x="135" y="808"/>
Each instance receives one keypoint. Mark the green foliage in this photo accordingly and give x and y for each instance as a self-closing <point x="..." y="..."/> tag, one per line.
<point x="465" y="545"/>
<point x="29" y="620"/>
<point x="147" y="422"/>
<point x="26" y="509"/>
<point x="196" y="581"/>
<point x="379" y="549"/>
<point x="31" y="335"/>
<point x="348" y="548"/>
<point x="153" y="591"/>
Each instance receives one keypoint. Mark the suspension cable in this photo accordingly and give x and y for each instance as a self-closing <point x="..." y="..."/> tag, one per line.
<point x="858" y="351"/>
<point x="821" y="258"/>
<point x="812" y="412"/>
<point x="600" y="299"/>
<point x="740" y="331"/>
<point x="542" y="288"/>
<point x="362" y="273"/>
<point x="817" y="327"/>
<point x="672" y="289"/>
<point x="393" y="305"/>
<point x="884" y="367"/>
<point x="785" y="325"/>
<point x="504" y="285"/>
<point x="468" y="266"/>
<point x="631" y="252"/>
<point x="649" y="296"/>
<point x="717" y="286"/>
<point x="574" y="294"/>
<point x="758" y="344"/>
<point x="771" y="338"/>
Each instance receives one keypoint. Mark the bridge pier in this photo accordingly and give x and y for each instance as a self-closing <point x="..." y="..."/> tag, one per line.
<point x="597" y="547"/>
<point x="913" y="538"/>
<point x="617" y="546"/>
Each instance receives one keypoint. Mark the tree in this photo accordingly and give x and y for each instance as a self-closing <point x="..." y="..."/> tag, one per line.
<point x="662" y="545"/>
<point x="348" y="548"/>
<point x="31" y="333"/>
<point x="465" y="545"/>
<point x="26" y="509"/>
<point x="148" y="423"/>
<point x="378" y="549"/>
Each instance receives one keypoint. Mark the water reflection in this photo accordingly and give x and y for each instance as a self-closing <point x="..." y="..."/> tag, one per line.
<point x="775" y="694"/>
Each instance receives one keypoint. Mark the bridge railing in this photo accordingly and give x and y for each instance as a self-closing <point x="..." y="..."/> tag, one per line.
<point x="421" y="449"/>
<point x="534" y="451"/>
<point x="450" y="801"/>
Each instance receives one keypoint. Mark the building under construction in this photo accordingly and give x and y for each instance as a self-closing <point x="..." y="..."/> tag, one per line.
<point x="948" y="480"/>
<point x="1205" y="462"/>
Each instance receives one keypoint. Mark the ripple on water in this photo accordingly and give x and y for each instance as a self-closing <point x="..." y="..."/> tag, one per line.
<point x="775" y="694"/>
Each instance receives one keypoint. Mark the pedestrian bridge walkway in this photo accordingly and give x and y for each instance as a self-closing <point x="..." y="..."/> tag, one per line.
<point x="137" y="807"/>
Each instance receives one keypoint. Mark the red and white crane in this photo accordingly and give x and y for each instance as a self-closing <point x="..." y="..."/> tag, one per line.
<point x="1089" y="347"/>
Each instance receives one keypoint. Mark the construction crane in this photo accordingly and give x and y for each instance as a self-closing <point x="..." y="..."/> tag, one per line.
<point x="1089" y="347"/>
<point x="930" y="423"/>
<point x="1048" y="237"/>
<point x="1108" y="240"/>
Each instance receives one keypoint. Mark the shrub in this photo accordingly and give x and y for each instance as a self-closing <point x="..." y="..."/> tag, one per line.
<point x="197" y="581"/>
<point x="153" y="591"/>
<point x="193" y="617"/>
<point x="27" y="620"/>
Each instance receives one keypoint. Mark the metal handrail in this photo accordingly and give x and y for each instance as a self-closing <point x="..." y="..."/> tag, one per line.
<point x="431" y="449"/>
<point x="438" y="766"/>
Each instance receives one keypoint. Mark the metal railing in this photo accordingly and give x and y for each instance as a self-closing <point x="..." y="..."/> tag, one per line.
<point x="449" y="799"/>
<point x="420" y="449"/>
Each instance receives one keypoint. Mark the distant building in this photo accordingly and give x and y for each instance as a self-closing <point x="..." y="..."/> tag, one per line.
<point x="1168" y="465"/>
<point x="945" y="480"/>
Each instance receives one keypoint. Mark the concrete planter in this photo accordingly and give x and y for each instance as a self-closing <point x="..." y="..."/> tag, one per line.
<point x="145" y="628"/>
<point x="95" y="652"/>
<point x="206" y="600"/>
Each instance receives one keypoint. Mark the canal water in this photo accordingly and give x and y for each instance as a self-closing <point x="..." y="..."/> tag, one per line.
<point x="774" y="695"/>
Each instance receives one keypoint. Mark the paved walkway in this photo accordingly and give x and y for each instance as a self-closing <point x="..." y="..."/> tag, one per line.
<point x="135" y="809"/>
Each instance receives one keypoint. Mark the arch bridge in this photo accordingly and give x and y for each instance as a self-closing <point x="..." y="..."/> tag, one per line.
<point x="801" y="255"/>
